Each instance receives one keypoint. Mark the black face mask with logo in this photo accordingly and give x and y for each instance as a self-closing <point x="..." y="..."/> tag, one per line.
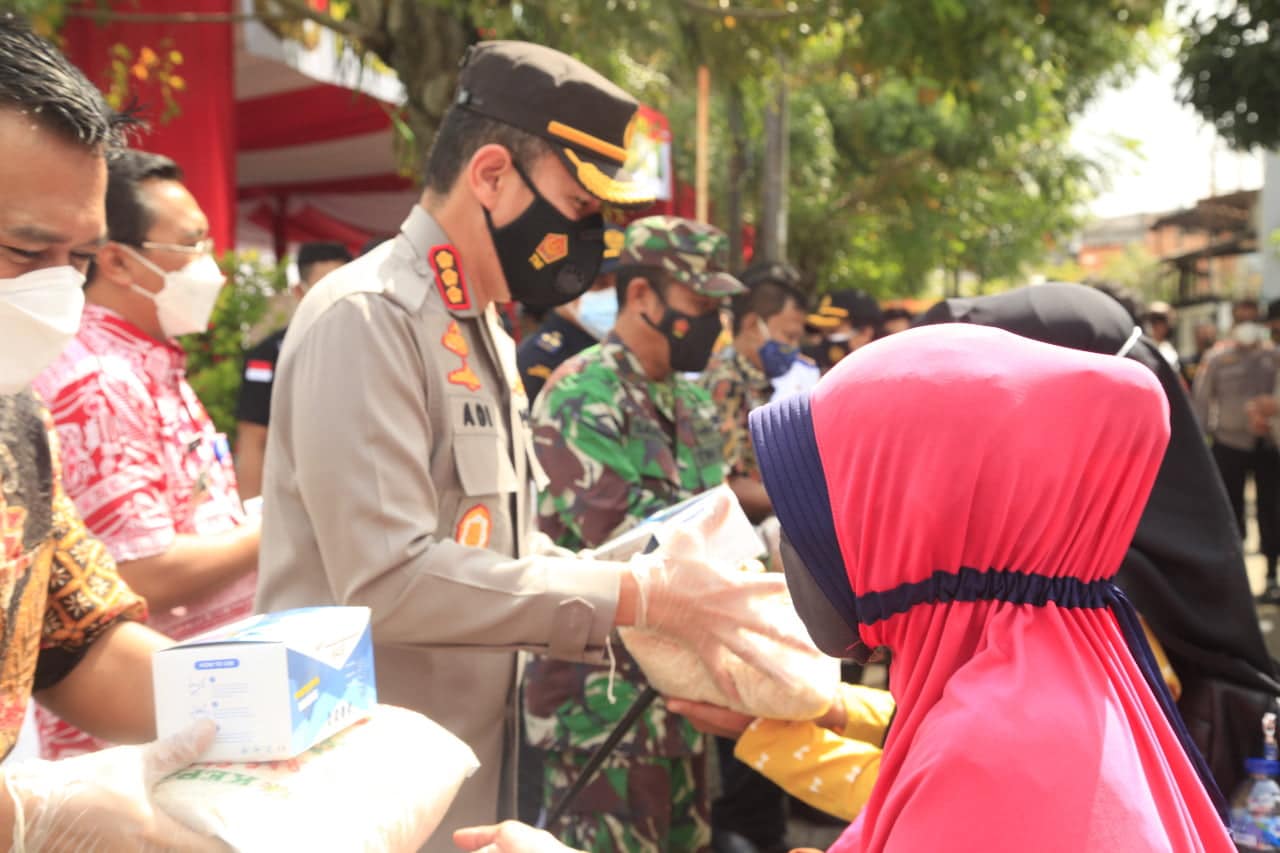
<point x="691" y="338"/>
<point x="548" y="259"/>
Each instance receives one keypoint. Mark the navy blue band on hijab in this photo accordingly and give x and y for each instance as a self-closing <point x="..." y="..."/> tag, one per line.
<point x="968" y="585"/>
<point x="990" y="585"/>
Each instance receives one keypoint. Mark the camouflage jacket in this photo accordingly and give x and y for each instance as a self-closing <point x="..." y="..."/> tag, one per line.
<point x="616" y="447"/>
<point x="737" y="386"/>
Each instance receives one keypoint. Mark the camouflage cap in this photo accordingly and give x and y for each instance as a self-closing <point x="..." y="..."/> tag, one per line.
<point x="692" y="253"/>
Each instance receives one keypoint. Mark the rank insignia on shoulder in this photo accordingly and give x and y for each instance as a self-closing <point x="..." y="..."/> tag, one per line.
<point x="449" y="278"/>
<point x="550" y="341"/>
<point x="453" y="340"/>
<point x="465" y="376"/>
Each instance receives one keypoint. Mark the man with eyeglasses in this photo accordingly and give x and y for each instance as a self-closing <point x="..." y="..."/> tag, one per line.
<point x="142" y="459"/>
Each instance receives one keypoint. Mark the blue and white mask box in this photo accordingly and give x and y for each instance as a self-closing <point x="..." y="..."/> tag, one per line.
<point x="276" y="684"/>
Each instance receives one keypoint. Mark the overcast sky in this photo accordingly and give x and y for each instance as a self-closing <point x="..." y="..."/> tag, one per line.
<point x="1179" y="160"/>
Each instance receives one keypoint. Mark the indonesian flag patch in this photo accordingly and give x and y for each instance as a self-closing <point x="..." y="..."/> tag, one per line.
<point x="259" y="371"/>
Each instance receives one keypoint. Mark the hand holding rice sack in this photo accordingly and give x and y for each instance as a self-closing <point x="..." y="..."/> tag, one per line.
<point x="508" y="837"/>
<point x="103" y="800"/>
<point x="716" y="633"/>
<point x="380" y="786"/>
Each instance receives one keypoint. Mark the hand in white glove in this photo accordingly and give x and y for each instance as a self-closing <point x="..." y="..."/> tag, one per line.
<point x="713" y="609"/>
<point x="507" y="837"/>
<point x="102" y="801"/>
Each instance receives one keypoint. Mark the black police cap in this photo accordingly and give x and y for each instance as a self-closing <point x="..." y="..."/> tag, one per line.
<point x="853" y="306"/>
<point x="588" y="119"/>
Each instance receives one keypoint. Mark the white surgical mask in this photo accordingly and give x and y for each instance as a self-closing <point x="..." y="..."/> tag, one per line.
<point x="597" y="311"/>
<point x="39" y="314"/>
<point x="186" y="301"/>
<point x="1249" y="334"/>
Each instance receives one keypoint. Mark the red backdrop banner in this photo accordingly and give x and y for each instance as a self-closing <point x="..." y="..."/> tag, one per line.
<point x="201" y="137"/>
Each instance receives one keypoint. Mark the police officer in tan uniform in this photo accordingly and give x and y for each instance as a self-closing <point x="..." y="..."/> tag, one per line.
<point x="400" y="471"/>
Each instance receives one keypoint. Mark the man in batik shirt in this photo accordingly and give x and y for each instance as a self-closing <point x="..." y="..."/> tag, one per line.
<point x="148" y="470"/>
<point x="67" y="633"/>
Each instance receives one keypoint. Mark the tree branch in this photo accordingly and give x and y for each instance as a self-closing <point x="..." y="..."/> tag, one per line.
<point x="109" y="16"/>
<point x="760" y="14"/>
<point x="296" y="10"/>
<point x="371" y="39"/>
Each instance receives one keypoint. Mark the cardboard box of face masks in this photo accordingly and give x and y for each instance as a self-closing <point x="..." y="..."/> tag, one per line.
<point x="276" y="684"/>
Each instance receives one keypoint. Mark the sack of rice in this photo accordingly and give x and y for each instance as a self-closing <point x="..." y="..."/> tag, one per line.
<point x="383" y="784"/>
<point x="804" y="689"/>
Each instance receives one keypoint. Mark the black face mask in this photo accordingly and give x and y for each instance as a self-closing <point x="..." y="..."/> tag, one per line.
<point x="831" y="632"/>
<point x="691" y="338"/>
<point x="547" y="258"/>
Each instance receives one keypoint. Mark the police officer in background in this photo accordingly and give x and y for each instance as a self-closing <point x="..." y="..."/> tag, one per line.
<point x="400" y="469"/>
<point x="253" y="408"/>
<point x="843" y="322"/>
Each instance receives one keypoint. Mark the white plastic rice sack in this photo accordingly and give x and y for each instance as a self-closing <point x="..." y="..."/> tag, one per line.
<point x="383" y="784"/>
<point x="804" y="692"/>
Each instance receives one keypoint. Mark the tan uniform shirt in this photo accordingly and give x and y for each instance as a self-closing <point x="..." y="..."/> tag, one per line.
<point x="399" y="476"/>
<point x="1226" y="381"/>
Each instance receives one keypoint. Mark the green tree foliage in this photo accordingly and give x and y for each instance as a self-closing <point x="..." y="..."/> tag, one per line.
<point x="244" y="308"/>
<point x="925" y="134"/>
<point x="1231" y="72"/>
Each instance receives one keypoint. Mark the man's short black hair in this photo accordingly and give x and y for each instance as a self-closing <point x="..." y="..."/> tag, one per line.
<point x="310" y="254"/>
<point x="624" y="274"/>
<point x="129" y="218"/>
<point x="37" y="79"/>
<point x="462" y="133"/>
<point x="765" y="298"/>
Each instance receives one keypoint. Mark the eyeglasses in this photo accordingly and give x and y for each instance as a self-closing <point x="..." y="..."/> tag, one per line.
<point x="204" y="247"/>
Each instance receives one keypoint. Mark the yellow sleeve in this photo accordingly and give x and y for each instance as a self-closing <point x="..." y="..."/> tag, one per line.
<point x="827" y="771"/>
<point x="1162" y="660"/>
<point x="867" y="712"/>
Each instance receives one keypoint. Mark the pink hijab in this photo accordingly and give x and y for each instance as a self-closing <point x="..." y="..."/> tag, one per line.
<point x="982" y="490"/>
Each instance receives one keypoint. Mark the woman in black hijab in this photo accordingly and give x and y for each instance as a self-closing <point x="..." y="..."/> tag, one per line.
<point x="1185" y="569"/>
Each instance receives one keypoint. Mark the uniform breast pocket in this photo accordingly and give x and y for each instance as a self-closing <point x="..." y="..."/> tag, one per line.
<point x="480" y="449"/>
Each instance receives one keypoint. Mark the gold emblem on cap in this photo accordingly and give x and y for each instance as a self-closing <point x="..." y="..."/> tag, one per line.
<point x="604" y="187"/>
<point x="629" y="135"/>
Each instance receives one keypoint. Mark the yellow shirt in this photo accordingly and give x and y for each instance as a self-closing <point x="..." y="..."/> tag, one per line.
<point x="836" y="772"/>
<point x="831" y="771"/>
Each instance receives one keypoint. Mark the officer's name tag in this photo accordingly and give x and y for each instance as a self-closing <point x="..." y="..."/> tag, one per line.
<point x="472" y="415"/>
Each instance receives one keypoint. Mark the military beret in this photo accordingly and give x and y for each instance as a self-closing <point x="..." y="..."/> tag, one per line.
<point x="689" y="252"/>
<point x="587" y="119"/>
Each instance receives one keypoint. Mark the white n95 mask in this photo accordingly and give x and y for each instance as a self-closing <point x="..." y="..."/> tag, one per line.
<point x="39" y="314"/>
<point x="186" y="301"/>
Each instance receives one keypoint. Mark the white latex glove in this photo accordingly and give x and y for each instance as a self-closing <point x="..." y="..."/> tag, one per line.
<point x="508" y="837"/>
<point x="686" y="595"/>
<point x="102" y="801"/>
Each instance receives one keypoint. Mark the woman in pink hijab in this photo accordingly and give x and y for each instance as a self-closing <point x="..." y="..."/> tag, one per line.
<point x="963" y="497"/>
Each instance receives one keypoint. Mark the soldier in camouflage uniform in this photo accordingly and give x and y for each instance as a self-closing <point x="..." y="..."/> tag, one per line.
<point x="621" y="435"/>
